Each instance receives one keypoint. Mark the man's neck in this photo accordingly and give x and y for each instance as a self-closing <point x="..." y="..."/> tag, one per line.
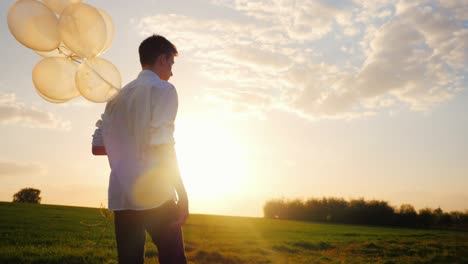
<point x="150" y="69"/>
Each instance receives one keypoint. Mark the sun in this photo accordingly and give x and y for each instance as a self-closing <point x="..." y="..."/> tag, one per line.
<point x="212" y="159"/>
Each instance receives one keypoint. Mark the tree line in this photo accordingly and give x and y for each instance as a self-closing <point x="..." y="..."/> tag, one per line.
<point x="365" y="212"/>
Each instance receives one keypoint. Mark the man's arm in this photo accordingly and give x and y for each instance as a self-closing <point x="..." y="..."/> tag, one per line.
<point x="98" y="142"/>
<point x="162" y="144"/>
<point x="168" y="158"/>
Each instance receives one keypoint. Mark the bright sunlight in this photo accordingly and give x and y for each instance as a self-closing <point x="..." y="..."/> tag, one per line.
<point x="212" y="159"/>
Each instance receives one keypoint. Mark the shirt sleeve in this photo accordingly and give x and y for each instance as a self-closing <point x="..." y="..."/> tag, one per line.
<point x="98" y="139"/>
<point x="97" y="136"/>
<point x="163" y="116"/>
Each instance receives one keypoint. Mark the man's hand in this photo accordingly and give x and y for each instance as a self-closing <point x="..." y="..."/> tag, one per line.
<point x="99" y="150"/>
<point x="182" y="212"/>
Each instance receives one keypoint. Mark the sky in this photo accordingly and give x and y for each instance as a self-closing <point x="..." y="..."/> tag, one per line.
<point x="277" y="99"/>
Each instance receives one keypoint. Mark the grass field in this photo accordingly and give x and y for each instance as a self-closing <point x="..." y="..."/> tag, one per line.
<point x="59" y="234"/>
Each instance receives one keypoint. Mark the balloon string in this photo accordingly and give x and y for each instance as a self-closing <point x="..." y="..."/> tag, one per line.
<point x="70" y="55"/>
<point x="102" y="78"/>
<point x="80" y="60"/>
<point x="108" y="217"/>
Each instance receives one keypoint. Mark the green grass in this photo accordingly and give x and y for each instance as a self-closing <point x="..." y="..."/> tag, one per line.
<point x="60" y="234"/>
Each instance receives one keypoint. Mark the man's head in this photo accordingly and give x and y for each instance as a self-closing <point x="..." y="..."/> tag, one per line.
<point x="157" y="54"/>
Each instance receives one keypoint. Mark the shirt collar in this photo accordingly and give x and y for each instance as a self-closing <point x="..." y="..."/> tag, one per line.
<point x="148" y="74"/>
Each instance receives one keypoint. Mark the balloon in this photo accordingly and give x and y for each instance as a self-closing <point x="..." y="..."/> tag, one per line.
<point x="83" y="30"/>
<point x="49" y="99"/>
<point x="52" y="53"/>
<point x="54" y="78"/>
<point x="64" y="52"/>
<point x="98" y="80"/>
<point x="59" y="5"/>
<point x="34" y="25"/>
<point x="109" y="29"/>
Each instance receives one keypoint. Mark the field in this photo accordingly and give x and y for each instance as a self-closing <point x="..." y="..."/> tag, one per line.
<point x="59" y="234"/>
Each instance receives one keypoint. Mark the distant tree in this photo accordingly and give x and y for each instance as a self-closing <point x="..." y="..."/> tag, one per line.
<point x="357" y="211"/>
<point x="27" y="195"/>
<point x="438" y="214"/>
<point x="407" y="215"/>
<point x="274" y="208"/>
<point x="337" y="208"/>
<point x="445" y="220"/>
<point x="295" y="210"/>
<point x="426" y="217"/>
<point x="407" y="209"/>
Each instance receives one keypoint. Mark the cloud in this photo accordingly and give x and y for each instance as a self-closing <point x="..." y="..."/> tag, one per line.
<point x="257" y="57"/>
<point x="418" y="58"/>
<point x="12" y="111"/>
<point x="299" y="19"/>
<point x="227" y="53"/>
<point x="397" y="54"/>
<point x="13" y="168"/>
<point x="368" y="11"/>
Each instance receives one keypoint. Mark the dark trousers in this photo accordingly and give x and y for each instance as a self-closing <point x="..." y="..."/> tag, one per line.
<point x="130" y="227"/>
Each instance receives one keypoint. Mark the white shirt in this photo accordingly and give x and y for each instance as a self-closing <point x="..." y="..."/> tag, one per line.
<point x="142" y="115"/>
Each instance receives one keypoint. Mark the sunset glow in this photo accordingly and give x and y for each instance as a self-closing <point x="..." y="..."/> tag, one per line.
<point x="277" y="99"/>
<point x="213" y="160"/>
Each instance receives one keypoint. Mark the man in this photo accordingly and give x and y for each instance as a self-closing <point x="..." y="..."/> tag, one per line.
<point x="136" y="133"/>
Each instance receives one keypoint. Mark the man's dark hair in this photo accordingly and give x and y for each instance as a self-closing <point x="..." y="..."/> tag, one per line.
<point x="153" y="46"/>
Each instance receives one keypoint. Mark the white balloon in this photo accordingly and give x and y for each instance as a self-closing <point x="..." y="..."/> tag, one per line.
<point x="49" y="99"/>
<point x="83" y="30"/>
<point x="52" y="53"/>
<point x="98" y="80"/>
<point x="60" y="51"/>
<point x="54" y="78"/>
<point x="59" y="5"/>
<point x="34" y="25"/>
<point x="109" y="29"/>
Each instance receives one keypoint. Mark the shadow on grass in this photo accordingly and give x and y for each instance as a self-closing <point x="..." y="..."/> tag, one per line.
<point x="351" y="234"/>
<point x="284" y="249"/>
<point x="70" y="259"/>
<point x="311" y="246"/>
<point x="215" y="257"/>
<point x="151" y="253"/>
